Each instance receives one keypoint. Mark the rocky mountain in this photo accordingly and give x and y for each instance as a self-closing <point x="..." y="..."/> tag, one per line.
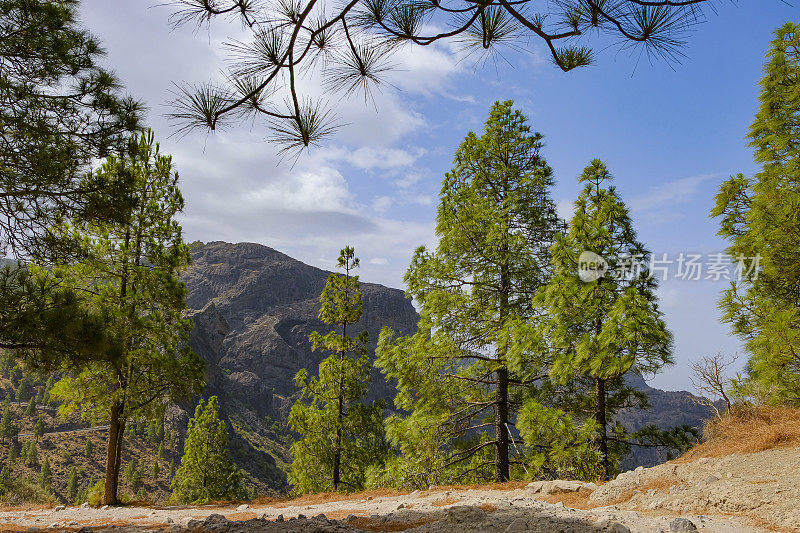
<point x="254" y="308"/>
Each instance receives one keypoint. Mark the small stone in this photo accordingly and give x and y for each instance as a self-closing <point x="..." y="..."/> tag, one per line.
<point x="616" y="527"/>
<point x="414" y="494"/>
<point x="84" y="505"/>
<point x="280" y="518"/>
<point x="517" y="525"/>
<point x="243" y="507"/>
<point x="465" y="514"/>
<point x="215" y="522"/>
<point x="703" y="460"/>
<point x="351" y="518"/>
<point x="682" y="525"/>
<point x="401" y="506"/>
<point x="301" y="516"/>
<point x="60" y="507"/>
<point x="535" y="486"/>
<point x="711" y="479"/>
<point x="103" y="508"/>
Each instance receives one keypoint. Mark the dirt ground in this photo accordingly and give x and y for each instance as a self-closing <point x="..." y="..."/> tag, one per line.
<point x="750" y="499"/>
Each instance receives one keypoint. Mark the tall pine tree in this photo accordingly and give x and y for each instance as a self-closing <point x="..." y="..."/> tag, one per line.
<point x="599" y="329"/>
<point x="340" y="434"/>
<point x="131" y="272"/>
<point x="758" y="216"/>
<point x="495" y="222"/>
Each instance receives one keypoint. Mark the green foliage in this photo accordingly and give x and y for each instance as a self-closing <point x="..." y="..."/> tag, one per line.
<point x="72" y="484"/>
<point x="38" y="429"/>
<point x="758" y="217"/>
<point x="134" y="475"/>
<point x="131" y="270"/>
<point x="94" y="495"/>
<point x="341" y="436"/>
<point x="5" y="479"/>
<point x="7" y="427"/>
<point x="30" y="410"/>
<point x="557" y="445"/>
<point x="30" y="453"/>
<point x="207" y="471"/>
<point x="26" y="490"/>
<point x="600" y="329"/>
<point x="46" y="475"/>
<point x="88" y="448"/>
<point x="461" y="372"/>
<point x="60" y="111"/>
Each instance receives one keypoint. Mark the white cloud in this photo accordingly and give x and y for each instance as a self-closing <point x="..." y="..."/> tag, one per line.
<point x="382" y="203"/>
<point x="667" y="195"/>
<point x="565" y="209"/>
<point x="372" y="158"/>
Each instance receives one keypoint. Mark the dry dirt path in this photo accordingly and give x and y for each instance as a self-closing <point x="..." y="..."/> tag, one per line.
<point x="479" y="510"/>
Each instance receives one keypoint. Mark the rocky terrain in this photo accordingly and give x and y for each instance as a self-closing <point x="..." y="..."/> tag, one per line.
<point x="738" y="494"/>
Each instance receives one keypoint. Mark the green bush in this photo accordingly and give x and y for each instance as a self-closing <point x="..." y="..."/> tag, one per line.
<point x="95" y="494"/>
<point x="21" y="491"/>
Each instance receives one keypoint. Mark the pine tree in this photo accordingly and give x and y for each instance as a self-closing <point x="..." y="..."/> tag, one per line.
<point x="133" y="475"/>
<point x="60" y="112"/>
<point x="72" y="484"/>
<point x="340" y="434"/>
<point x="38" y="429"/>
<point x="46" y="475"/>
<point x="155" y="471"/>
<point x="5" y="478"/>
<point x="131" y="270"/>
<point x="602" y="328"/>
<point x="7" y="427"/>
<point x="758" y="216"/>
<point x="207" y="471"/>
<point x="30" y="409"/>
<point x="495" y="222"/>
<point x="32" y="457"/>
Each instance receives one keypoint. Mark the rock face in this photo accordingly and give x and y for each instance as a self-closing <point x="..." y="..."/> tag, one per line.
<point x="254" y="308"/>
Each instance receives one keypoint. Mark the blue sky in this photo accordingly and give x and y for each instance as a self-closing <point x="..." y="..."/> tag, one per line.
<point x="670" y="133"/>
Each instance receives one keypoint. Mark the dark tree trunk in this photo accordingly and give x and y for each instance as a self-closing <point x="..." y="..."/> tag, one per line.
<point x="116" y="428"/>
<point x="337" y="460"/>
<point x="600" y="416"/>
<point x="501" y="468"/>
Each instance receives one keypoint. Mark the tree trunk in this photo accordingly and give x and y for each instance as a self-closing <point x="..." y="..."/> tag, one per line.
<point x="600" y="416"/>
<point x="113" y="453"/>
<point x="501" y="469"/>
<point x="337" y="460"/>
